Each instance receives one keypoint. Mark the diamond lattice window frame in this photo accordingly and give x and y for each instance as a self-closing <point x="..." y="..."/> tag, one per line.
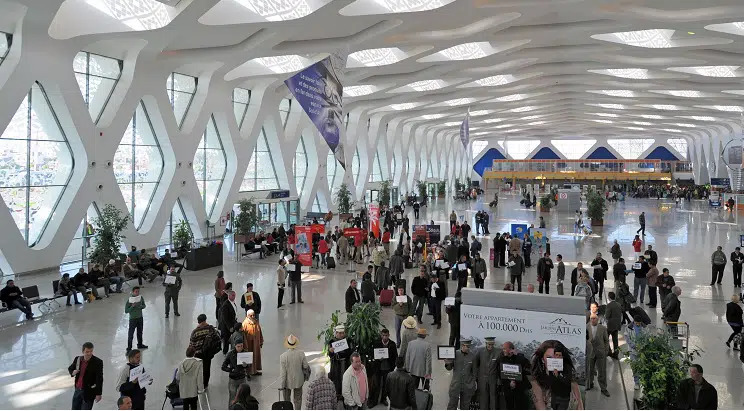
<point x="30" y="140"/>
<point x="241" y="99"/>
<point x="173" y="90"/>
<point x="134" y="124"/>
<point x="85" y="81"/>
<point x="6" y="42"/>
<point x="204" y="149"/>
<point x="254" y="162"/>
<point x="300" y="159"/>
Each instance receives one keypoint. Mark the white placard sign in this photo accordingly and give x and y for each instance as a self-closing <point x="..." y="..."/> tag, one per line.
<point x="401" y="299"/>
<point x="340" y="345"/>
<point x="304" y="269"/>
<point x="135" y="300"/>
<point x="170" y="279"/>
<point x="257" y="247"/>
<point x="637" y="266"/>
<point x="440" y="263"/>
<point x="462" y="267"/>
<point x="554" y="364"/>
<point x="381" y="353"/>
<point x="144" y="379"/>
<point x="136" y="372"/>
<point x="290" y="267"/>
<point x="449" y="301"/>
<point x="245" y="358"/>
<point x="527" y="330"/>
<point x="445" y="352"/>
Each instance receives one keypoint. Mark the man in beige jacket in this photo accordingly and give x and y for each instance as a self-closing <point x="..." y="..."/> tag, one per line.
<point x="354" y="386"/>
<point x="293" y="371"/>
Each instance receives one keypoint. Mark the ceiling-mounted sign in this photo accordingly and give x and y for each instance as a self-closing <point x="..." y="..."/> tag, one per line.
<point x="279" y="194"/>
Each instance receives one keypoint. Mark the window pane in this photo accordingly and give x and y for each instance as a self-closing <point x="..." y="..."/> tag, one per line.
<point x="49" y="163"/>
<point x="100" y="90"/>
<point x="43" y="123"/>
<point x="15" y="199"/>
<point x="300" y="165"/>
<point x="104" y="67"/>
<point x="148" y="163"/>
<point x="181" y="89"/>
<point x="210" y="163"/>
<point x="261" y="167"/>
<point x="13" y="156"/>
<point x="97" y="76"/>
<point x="142" y="195"/>
<point x="42" y="201"/>
<point x="184" y="83"/>
<point x="573" y="149"/>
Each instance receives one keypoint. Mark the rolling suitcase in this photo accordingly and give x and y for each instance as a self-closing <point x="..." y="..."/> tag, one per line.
<point x="386" y="297"/>
<point x="330" y="263"/>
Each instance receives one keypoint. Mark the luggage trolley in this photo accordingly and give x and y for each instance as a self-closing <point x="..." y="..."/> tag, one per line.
<point x="680" y="335"/>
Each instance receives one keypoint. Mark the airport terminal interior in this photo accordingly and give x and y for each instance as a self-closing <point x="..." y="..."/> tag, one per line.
<point x="227" y="135"/>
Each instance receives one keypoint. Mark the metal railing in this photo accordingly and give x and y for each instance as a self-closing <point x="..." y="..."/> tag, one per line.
<point x="598" y="166"/>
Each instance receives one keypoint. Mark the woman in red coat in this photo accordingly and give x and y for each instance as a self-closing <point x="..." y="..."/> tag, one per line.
<point x="637" y="245"/>
<point x="323" y="250"/>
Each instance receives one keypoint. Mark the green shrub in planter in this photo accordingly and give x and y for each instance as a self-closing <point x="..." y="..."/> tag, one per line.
<point x="595" y="204"/>
<point x="108" y="236"/>
<point x="545" y="203"/>
<point x="343" y="199"/>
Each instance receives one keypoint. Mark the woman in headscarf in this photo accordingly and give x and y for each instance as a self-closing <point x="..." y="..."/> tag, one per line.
<point x="253" y="340"/>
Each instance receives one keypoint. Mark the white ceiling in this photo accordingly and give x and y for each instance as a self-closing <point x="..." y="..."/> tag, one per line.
<point x="543" y="68"/>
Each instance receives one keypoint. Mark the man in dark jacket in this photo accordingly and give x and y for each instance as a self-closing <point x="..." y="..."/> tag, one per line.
<point x="695" y="393"/>
<point x="87" y="370"/>
<point x="369" y="290"/>
<point x="82" y="279"/>
<point x="737" y="258"/>
<point x="295" y="278"/>
<point x="227" y="320"/>
<point x="251" y="300"/>
<point x="651" y="255"/>
<point x="353" y="296"/>
<point x="202" y="339"/>
<point x="640" y="268"/>
<point x="381" y="368"/>
<point x="614" y="318"/>
<point x="453" y="313"/>
<point x="544" y="267"/>
<point x="418" y="289"/>
<point x="12" y="296"/>
<point x="400" y="387"/>
<point x="514" y="385"/>
<point x="575" y="274"/>
<point x="600" y="267"/>
<point x="437" y="294"/>
<point x="673" y="308"/>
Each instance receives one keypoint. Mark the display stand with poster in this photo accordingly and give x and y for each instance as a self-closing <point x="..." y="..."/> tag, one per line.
<point x="529" y="321"/>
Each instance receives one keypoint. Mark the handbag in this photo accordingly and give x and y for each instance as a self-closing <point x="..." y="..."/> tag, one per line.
<point x="171" y="390"/>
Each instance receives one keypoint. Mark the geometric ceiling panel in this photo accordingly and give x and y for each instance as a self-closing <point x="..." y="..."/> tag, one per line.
<point x="364" y="7"/>
<point x="259" y="11"/>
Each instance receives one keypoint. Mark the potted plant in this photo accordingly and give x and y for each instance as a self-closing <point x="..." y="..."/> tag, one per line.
<point x="363" y="327"/>
<point x="182" y="236"/>
<point x="441" y="188"/>
<point x="421" y="187"/>
<point x="108" y="236"/>
<point x="343" y="201"/>
<point x="660" y="367"/>
<point x="384" y="194"/>
<point x="595" y="204"/>
<point x="546" y="202"/>
<point x="458" y="185"/>
<point x="245" y="221"/>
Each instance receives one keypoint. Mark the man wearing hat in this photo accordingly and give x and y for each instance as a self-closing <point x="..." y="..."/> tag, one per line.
<point x="339" y="359"/>
<point x="408" y="334"/>
<point x="487" y="372"/>
<point x="463" y="382"/>
<point x="513" y="368"/>
<point x="293" y="371"/>
<point x="418" y="359"/>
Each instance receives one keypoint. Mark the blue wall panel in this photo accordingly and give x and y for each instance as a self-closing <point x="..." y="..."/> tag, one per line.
<point x="661" y="153"/>
<point x="601" y="153"/>
<point x="487" y="160"/>
<point x="546" y="153"/>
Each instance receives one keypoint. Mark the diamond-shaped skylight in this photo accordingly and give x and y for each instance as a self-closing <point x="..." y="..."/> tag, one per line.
<point x="635" y="128"/>
<point x="374" y="57"/>
<point x="459" y="101"/>
<point x="498" y="80"/>
<point x="536" y="123"/>
<point x="432" y="116"/>
<point x="679" y="93"/>
<point x="632" y="73"/>
<point x="404" y="106"/>
<point x="366" y="7"/>
<point x="688" y="125"/>
<point x="356" y="91"/>
<point x="709" y="71"/>
<point x="651" y="116"/>
<point x="642" y="123"/>
<point x="653" y="38"/>
<point x="281" y="64"/>
<point x="512" y="97"/>
<point x="493" y="120"/>
<point x="453" y="123"/>
<point x="614" y="93"/>
<point x="672" y="130"/>
<point x="533" y="117"/>
<point x="602" y="121"/>
<point x="273" y="10"/>
<point x="661" y="106"/>
<point x="466" y="51"/>
<point x="137" y="14"/>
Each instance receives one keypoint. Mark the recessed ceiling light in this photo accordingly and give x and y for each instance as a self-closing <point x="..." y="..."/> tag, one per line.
<point x="691" y="33"/>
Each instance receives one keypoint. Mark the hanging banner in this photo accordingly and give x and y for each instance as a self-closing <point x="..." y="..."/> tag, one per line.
<point x="374" y="219"/>
<point x="519" y="230"/>
<point x="355" y="235"/>
<point x="528" y="330"/>
<point x="465" y="130"/>
<point x="318" y="91"/>
<point x="304" y="245"/>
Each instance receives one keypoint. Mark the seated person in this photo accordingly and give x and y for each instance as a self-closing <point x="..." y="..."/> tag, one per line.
<point x="149" y="265"/>
<point x="67" y="288"/>
<point x="111" y="272"/>
<point x="99" y="279"/>
<point x="168" y="260"/>
<point x="12" y="296"/>
<point x="134" y="254"/>
<point x="250" y="246"/>
<point x="83" y="282"/>
<point x="131" y="270"/>
<point x="260" y="238"/>
<point x="270" y="243"/>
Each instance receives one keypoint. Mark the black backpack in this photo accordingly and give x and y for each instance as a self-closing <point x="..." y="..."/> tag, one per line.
<point x="213" y="343"/>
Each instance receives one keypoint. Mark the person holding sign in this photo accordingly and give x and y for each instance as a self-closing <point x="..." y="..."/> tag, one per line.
<point x="134" y="306"/>
<point x="402" y="308"/>
<point x="437" y="294"/>
<point x="463" y="384"/>
<point x="238" y="369"/>
<point x="172" y="283"/>
<point x="339" y="351"/>
<point x="253" y="340"/>
<point x="553" y="376"/>
<point x="295" y="278"/>
<point x="640" y="268"/>
<point x="600" y="267"/>
<point x="512" y="368"/>
<point x="479" y="271"/>
<point x="293" y="371"/>
<point x="516" y="269"/>
<point x="487" y="372"/>
<point x="131" y="381"/>
<point x="385" y="356"/>
<point x="460" y="271"/>
<point x="251" y="300"/>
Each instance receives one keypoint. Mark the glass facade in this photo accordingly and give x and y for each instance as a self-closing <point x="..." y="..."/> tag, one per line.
<point x="332" y="169"/>
<point x="573" y="149"/>
<point x="355" y="167"/>
<point x="181" y="90"/>
<point x="210" y="164"/>
<point x="376" y="174"/>
<point x="316" y="206"/>
<point x="83" y="242"/>
<point x="679" y="144"/>
<point x="241" y="99"/>
<point x="138" y="164"/>
<point x="284" y="106"/>
<point x="260" y="174"/>
<point x="477" y="146"/>
<point x="299" y="166"/>
<point x="520" y="149"/>
<point x="174" y="220"/>
<point x="35" y="164"/>
<point x="5" y="40"/>
<point x="97" y="77"/>
<point x="630" y="148"/>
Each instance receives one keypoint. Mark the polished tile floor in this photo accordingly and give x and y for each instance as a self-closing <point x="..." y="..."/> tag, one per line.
<point x="34" y="355"/>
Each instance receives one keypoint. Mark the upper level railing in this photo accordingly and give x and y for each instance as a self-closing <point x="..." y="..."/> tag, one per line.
<point x="598" y="166"/>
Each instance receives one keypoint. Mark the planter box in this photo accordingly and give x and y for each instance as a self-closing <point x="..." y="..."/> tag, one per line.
<point x="598" y="222"/>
